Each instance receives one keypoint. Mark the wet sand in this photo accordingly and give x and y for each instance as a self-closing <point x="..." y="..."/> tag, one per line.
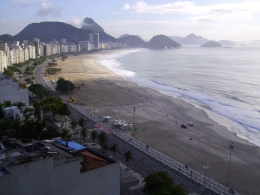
<point x="205" y="143"/>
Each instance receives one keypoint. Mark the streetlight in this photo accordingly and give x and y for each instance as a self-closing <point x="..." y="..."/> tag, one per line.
<point x="205" y="167"/>
<point x="134" y="120"/>
<point x="231" y="146"/>
<point x="94" y="102"/>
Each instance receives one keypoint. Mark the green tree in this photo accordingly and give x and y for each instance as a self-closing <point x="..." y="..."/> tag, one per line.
<point x="102" y="139"/>
<point x="49" y="133"/>
<point x="93" y="135"/>
<point x="73" y="125"/>
<point x="66" y="136"/>
<point x="81" y="122"/>
<point x="39" y="90"/>
<point x="84" y="134"/>
<point x="19" y="104"/>
<point x="114" y="148"/>
<point x="104" y="148"/>
<point x="8" y="72"/>
<point x="64" y="86"/>
<point x="7" y="103"/>
<point x="128" y="156"/>
<point x="161" y="183"/>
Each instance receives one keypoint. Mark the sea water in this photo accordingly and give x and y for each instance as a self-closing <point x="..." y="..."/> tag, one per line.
<point x="223" y="81"/>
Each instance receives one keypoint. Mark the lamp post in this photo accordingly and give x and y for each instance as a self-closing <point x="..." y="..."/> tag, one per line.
<point x="231" y="146"/>
<point x="94" y="102"/>
<point x="205" y="167"/>
<point x="134" y="120"/>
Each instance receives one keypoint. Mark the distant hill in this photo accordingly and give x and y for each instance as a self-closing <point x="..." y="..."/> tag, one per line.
<point x="255" y="43"/>
<point x="134" y="41"/>
<point x="90" y="24"/>
<point x="6" y="38"/>
<point x="211" y="44"/>
<point x="162" y="42"/>
<point x="190" y="39"/>
<point x="225" y="42"/>
<point x="46" y="31"/>
<point x="124" y="35"/>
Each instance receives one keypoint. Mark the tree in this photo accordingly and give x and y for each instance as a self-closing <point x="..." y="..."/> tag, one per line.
<point x="81" y="122"/>
<point x="104" y="148"/>
<point x="161" y="183"/>
<point x="19" y="104"/>
<point x="39" y="90"/>
<point x="128" y="156"/>
<point x="65" y="135"/>
<point x="93" y="135"/>
<point x="7" y="103"/>
<point x="50" y="132"/>
<point x="84" y="134"/>
<point x="102" y="139"/>
<point x="64" y="86"/>
<point x="73" y="125"/>
<point x="114" y="148"/>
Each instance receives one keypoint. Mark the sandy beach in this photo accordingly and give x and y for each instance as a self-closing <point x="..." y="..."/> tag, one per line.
<point x="205" y="143"/>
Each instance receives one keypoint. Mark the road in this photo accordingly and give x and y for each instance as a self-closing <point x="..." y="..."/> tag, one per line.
<point x="145" y="161"/>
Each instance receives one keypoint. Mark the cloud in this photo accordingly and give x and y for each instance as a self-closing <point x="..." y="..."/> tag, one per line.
<point x="210" y="13"/>
<point x="126" y="6"/>
<point x="46" y="10"/>
<point x="75" y="22"/>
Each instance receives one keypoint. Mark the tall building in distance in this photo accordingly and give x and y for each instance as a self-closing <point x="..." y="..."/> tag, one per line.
<point x="63" y="41"/>
<point x="91" y="38"/>
<point x="36" y="43"/>
<point x="96" y="40"/>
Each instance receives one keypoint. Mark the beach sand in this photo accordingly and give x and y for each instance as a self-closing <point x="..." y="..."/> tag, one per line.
<point x="205" y="143"/>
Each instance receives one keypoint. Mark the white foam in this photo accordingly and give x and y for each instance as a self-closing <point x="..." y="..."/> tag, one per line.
<point x="111" y="63"/>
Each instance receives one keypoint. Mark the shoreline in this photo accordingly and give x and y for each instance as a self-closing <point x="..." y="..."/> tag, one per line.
<point x="204" y="143"/>
<point x="221" y="120"/>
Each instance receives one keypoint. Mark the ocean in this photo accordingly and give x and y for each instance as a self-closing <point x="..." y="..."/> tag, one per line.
<point x="225" y="82"/>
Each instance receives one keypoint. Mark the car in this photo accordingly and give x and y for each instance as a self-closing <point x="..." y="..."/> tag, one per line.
<point x="183" y="126"/>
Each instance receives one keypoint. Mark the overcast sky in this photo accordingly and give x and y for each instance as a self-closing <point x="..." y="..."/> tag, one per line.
<point x="212" y="19"/>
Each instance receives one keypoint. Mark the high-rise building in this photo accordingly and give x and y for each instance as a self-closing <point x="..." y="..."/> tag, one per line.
<point x="36" y="43"/>
<point x="63" y="41"/>
<point x="96" y="40"/>
<point x="91" y="38"/>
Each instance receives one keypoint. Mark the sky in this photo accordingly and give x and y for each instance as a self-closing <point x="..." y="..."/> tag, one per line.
<point x="234" y="20"/>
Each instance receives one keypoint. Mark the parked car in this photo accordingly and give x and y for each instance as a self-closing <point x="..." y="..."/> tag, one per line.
<point x="183" y="126"/>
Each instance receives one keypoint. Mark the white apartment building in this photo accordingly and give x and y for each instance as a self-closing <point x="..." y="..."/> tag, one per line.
<point x="64" y="48"/>
<point x="11" y="91"/>
<point x="3" y="60"/>
<point x="72" y="47"/>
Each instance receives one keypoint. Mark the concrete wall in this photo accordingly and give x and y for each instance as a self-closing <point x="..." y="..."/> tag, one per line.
<point x="42" y="177"/>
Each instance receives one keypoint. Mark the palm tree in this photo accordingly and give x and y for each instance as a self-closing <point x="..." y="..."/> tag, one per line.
<point x="102" y="139"/>
<point x="93" y="135"/>
<point x="73" y="125"/>
<point x="19" y="104"/>
<point x="65" y="136"/>
<point x="81" y="122"/>
<point x="128" y="156"/>
<point x="104" y="148"/>
<point x="114" y="149"/>
<point x="84" y="134"/>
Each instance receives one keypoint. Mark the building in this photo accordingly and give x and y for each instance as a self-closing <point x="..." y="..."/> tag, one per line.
<point x="48" y="169"/>
<point x="3" y="60"/>
<point x="12" y="91"/>
<point x="63" y="41"/>
<point x="96" y="40"/>
<point x="90" y="38"/>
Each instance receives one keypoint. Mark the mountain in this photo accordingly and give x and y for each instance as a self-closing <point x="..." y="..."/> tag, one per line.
<point x="6" y="38"/>
<point x="133" y="41"/>
<point x="46" y="31"/>
<point x="225" y="42"/>
<point x="211" y="44"/>
<point x="90" y="24"/>
<point x="162" y="42"/>
<point x="255" y="43"/>
<point x="124" y="35"/>
<point x="190" y="39"/>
